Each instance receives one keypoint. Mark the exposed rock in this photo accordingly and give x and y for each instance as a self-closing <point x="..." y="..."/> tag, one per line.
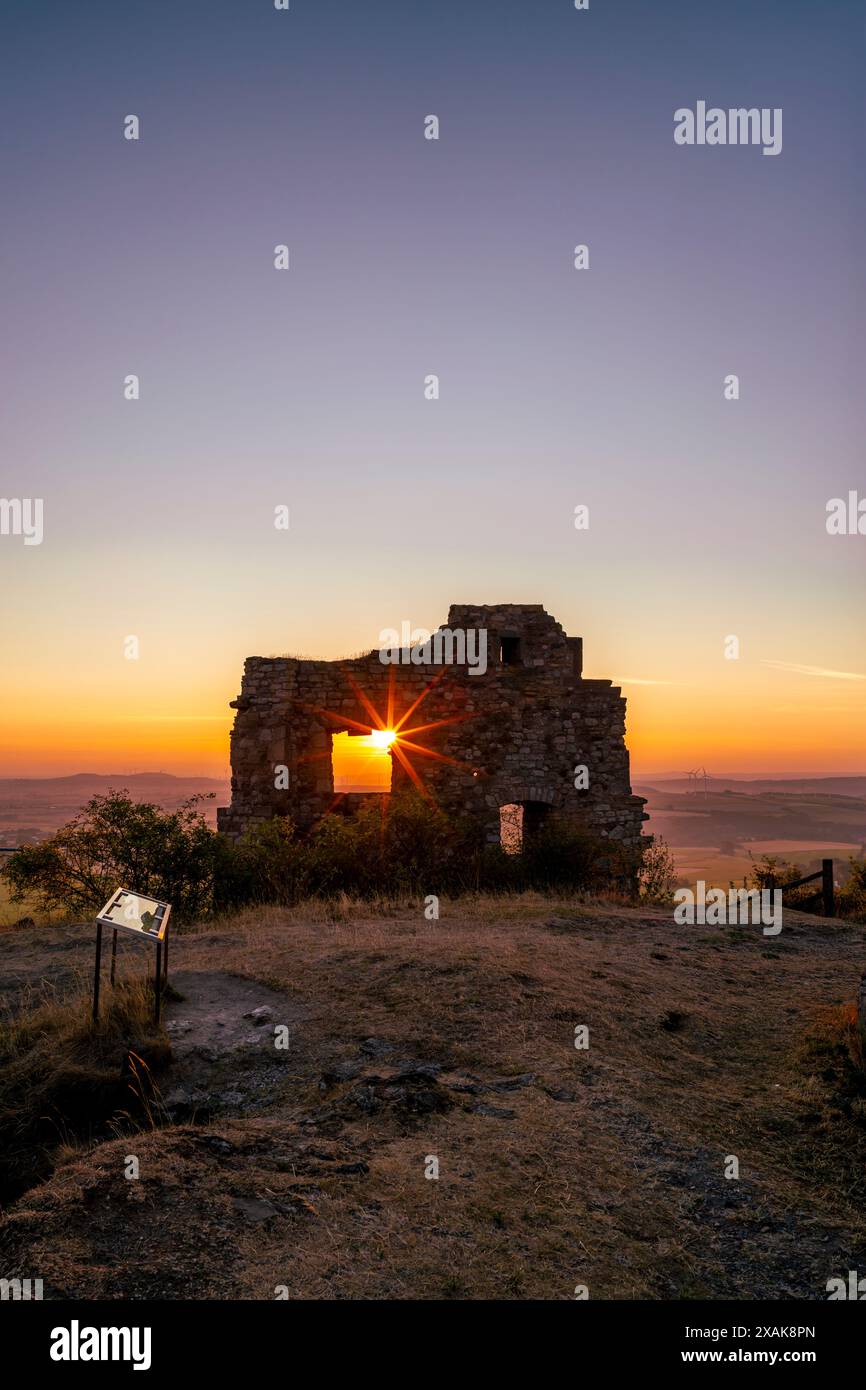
<point x="253" y="1209"/>
<point x="514" y="1083"/>
<point x="341" y="1071"/>
<point x="218" y="1144"/>
<point x="375" y="1047"/>
<point x="261" y="1015"/>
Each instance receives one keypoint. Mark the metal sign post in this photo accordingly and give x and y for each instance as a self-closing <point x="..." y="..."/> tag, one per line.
<point x="157" y="982"/>
<point x="96" y="970"/>
<point x="143" y="917"/>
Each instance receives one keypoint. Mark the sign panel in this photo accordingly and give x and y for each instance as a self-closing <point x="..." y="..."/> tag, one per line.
<point x="144" y="917"/>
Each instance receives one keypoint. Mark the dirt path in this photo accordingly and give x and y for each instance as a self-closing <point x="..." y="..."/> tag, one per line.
<point x="230" y="1040"/>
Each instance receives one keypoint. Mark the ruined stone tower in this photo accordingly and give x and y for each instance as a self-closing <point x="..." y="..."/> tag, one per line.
<point x="512" y="734"/>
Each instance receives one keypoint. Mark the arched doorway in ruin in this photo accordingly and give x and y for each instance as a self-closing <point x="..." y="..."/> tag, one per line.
<point x="522" y="818"/>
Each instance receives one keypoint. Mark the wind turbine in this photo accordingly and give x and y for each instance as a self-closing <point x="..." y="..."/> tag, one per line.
<point x="692" y="774"/>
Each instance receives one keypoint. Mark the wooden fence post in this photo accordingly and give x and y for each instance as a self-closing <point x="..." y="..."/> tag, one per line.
<point x="827" y="888"/>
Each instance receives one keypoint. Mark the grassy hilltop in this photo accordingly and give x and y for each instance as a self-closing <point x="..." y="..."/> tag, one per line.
<point x="411" y="1039"/>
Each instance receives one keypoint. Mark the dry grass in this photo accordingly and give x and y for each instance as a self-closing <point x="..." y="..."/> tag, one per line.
<point x="61" y="1079"/>
<point x="557" y="1167"/>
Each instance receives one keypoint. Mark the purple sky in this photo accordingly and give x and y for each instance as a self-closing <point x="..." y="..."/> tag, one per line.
<point x="411" y="257"/>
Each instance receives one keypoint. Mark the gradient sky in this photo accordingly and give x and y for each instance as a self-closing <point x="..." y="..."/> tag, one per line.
<point x="410" y="257"/>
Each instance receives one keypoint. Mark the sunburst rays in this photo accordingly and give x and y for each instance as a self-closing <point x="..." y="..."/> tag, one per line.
<point x="400" y="743"/>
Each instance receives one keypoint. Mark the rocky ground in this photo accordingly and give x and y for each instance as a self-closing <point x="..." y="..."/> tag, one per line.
<point x="324" y="1067"/>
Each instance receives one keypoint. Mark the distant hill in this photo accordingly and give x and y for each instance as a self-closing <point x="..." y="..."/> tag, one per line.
<point x="717" y="834"/>
<point x="816" y="786"/>
<point x="32" y="808"/>
<point x="107" y="779"/>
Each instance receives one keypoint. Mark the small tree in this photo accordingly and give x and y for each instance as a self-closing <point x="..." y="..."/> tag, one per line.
<point x="771" y="870"/>
<point x="117" y="842"/>
<point x="658" y="873"/>
<point x="851" y="898"/>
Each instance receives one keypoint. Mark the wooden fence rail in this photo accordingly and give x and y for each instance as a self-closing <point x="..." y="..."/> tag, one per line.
<point x="826" y="896"/>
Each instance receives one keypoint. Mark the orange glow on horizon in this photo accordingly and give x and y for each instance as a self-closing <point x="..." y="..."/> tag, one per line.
<point x="360" y="763"/>
<point x="64" y="714"/>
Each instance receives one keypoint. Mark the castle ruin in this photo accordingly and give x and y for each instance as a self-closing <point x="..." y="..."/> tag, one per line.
<point x="511" y="735"/>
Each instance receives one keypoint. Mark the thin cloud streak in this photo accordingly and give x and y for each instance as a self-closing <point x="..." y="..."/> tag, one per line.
<point x="638" y="680"/>
<point x="821" y="671"/>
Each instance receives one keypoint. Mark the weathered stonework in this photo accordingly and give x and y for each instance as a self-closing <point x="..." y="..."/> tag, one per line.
<point x="520" y="730"/>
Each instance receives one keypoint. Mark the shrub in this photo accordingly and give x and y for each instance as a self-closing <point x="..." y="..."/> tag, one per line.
<point x="770" y="870"/>
<point x="390" y="849"/>
<point x="404" y="846"/>
<point x="559" y="856"/>
<point x="267" y="866"/>
<point x="851" y="898"/>
<point x="116" y="842"/>
<point x="396" y="848"/>
<point x="657" y="878"/>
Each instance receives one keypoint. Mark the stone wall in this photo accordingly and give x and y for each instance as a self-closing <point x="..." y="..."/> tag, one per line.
<point x="512" y="734"/>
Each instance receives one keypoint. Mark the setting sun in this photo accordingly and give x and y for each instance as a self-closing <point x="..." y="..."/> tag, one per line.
<point x="382" y="738"/>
